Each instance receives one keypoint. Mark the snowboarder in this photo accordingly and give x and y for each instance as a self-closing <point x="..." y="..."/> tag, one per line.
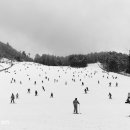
<point x="12" y="98"/>
<point x="75" y="103"/>
<point x="110" y="96"/>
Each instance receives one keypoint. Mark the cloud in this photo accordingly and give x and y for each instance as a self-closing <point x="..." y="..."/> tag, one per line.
<point x="63" y="27"/>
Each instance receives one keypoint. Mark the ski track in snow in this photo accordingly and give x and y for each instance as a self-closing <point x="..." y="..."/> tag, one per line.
<point x="41" y="112"/>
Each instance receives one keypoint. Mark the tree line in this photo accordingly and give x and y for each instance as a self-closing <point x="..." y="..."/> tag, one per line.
<point x="7" y="51"/>
<point x="111" y="61"/>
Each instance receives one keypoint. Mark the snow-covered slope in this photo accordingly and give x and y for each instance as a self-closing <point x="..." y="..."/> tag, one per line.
<point x="30" y="112"/>
<point x="6" y="63"/>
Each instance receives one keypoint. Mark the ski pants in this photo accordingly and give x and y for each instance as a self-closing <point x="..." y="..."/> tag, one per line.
<point x="75" y="109"/>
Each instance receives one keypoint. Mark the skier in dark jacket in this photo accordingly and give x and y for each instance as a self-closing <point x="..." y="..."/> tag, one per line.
<point x="75" y="103"/>
<point x="51" y="95"/>
<point x="12" y="98"/>
<point x="110" y="96"/>
<point x="128" y="100"/>
<point x="85" y="90"/>
<point x="36" y="93"/>
<point x="28" y="90"/>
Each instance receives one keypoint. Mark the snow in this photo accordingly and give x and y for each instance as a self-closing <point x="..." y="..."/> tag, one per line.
<point x="30" y="112"/>
<point x="5" y="63"/>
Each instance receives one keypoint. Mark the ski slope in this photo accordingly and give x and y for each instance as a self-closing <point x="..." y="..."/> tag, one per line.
<point x="30" y="112"/>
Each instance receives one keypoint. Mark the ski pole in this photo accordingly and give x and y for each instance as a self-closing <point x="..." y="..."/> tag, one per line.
<point x="79" y="108"/>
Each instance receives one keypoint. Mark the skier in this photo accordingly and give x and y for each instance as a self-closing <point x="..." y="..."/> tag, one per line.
<point x="116" y="84"/>
<point x="98" y="82"/>
<point x="36" y="93"/>
<point x="35" y="83"/>
<point x="85" y="90"/>
<point x="14" y="81"/>
<point x="128" y="100"/>
<point x="17" y="96"/>
<point x="20" y="82"/>
<point x="29" y="90"/>
<point x="82" y="83"/>
<point x="66" y="83"/>
<point x="75" y="103"/>
<point x="12" y="98"/>
<point x="110" y="84"/>
<point x="43" y="88"/>
<point x="51" y="95"/>
<point x="110" y="96"/>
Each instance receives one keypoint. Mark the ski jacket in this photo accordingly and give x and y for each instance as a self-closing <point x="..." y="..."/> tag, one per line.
<point x="12" y="96"/>
<point x="75" y="102"/>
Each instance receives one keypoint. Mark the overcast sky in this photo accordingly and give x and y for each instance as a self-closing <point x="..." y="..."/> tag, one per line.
<point x="63" y="27"/>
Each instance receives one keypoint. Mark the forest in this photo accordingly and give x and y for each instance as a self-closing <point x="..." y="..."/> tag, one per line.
<point x="111" y="61"/>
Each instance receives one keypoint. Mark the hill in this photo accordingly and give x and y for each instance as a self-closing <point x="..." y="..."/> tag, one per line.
<point x="7" y="51"/>
<point x="40" y="112"/>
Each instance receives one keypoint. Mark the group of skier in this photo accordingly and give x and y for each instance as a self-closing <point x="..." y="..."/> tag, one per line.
<point x="13" y="97"/>
<point x="17" y="96"/>
<point x="76" y="103"/>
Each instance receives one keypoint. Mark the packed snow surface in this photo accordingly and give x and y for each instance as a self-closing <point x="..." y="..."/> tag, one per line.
<point x="5" y="63"/>
<point x="96" y="110"/>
